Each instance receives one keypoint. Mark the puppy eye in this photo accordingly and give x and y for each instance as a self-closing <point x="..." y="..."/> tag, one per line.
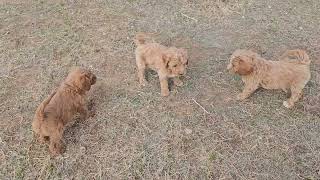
<point x="175" y="66"/>
<point x="87" y="76"/>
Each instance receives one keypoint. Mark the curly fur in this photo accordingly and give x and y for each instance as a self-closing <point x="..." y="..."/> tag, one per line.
<point x="291" y="72"/>
<point x="168" y="62"/>
<point x="58" y="109"/>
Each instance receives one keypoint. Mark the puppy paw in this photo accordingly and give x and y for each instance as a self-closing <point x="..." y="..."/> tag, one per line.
<point x="287" y="104"/>
<point x="143" y="83"/>
<point x="241" y="97"/>
<point x="56" y="152"/>
<point x="56" y="148"/>
<point x="285" y="90"/>
<point x="165" y="93"/>
<point x="43" y="139"/>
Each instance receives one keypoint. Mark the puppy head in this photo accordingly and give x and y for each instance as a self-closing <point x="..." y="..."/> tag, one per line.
<point x="241" y="62"/>
<point x="176" y="61"/>
<point x="81" y="78"/>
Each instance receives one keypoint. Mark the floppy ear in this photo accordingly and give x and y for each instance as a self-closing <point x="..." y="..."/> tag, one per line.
<point x="166" y="60"/>
<point x="184" y="54"/>
<point x="93" y="79"/>
<point x="85" y="81"/>
<point x="245" y="66"/>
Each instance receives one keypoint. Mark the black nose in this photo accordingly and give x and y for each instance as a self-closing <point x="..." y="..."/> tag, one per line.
<point x="93" y="79"/>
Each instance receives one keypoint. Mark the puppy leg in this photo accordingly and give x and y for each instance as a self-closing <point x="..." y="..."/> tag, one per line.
<point x="42" y="139"/>
<point x="37" y="134"/>
<point x="177" y="81"/>
<point x="285" y="90"/>
<point x="164" y="84"/>
<point x="141" y="70"/>
<point x="55" y="146"/>
<point x="296" y="93"/>
<point x="247" y="91"/>
<point x="83" y="110"/>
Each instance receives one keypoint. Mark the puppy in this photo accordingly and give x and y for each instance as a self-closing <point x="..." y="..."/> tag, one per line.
<point x="291" y="72"/>
<point x="168" y="62"/>
<point x="60" y="107"/>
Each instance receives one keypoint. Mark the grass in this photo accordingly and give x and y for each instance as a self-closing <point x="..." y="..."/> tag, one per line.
<point x="199" y="131"/>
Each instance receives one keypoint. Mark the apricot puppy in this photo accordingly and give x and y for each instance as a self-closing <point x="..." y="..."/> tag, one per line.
<point x="60" y="107"/>
<point x="291" y="72"/>
<point x="168" y="62"/>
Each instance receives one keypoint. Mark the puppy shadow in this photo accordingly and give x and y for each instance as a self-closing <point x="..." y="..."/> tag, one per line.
<point x="153" y="76"/>
<point x="72" y="133"/>
<point x="92" y="109"/>
<point x="97" y="95"/>
<point x="75" y="130"/>
<point x="150" y="75"/>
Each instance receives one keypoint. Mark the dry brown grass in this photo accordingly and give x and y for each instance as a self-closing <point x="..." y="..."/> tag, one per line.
<point x="197" y="132"/>
<point x="211" y="9"/>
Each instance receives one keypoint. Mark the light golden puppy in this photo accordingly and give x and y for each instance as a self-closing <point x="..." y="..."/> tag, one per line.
<point x="60" y="107"/>
<point x="291" y="72"/>
<point x="168" y="62"/>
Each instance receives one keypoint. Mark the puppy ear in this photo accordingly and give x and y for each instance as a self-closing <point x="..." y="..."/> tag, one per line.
<point x="245" y="66"/>
<point x="93" y="79"/>
<point x="184" y="54"/>
<point x="86" y="81"/>
<point x="166" y="59"/>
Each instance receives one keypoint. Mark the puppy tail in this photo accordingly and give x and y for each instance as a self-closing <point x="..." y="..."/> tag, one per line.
<point x="39" y="116"/>
<point x="297" y="56"/>
<point x="40" y="110"/>
<point x="142" y="38"/>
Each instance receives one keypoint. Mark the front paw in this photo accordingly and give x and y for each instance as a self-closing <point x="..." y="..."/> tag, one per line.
<point x="56" y="150"/>
<point x="55" y="153"/>
<point x="287" y="104"/>
<point x="165" y="93"/>
<point x="143" y="83"/>
<point x="43" y="139"/>
<point x="241" y="97"/>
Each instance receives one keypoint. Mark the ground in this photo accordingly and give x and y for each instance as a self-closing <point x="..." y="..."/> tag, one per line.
<point x="199" y="131"/>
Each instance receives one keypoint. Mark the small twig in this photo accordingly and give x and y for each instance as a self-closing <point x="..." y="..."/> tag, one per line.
<point x="7" y="76"/>
<point x="189" y="17"/>
<point x="201" y="106"/>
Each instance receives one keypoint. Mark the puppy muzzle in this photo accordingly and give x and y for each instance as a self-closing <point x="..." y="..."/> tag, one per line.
<point x="183" y="73"/>
<point x="93" y="79"/>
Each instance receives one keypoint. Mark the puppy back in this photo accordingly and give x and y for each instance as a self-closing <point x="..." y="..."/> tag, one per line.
<point x="42" y="106"/>
<point x="142" y="38"/>
<point x="296" y="56"/>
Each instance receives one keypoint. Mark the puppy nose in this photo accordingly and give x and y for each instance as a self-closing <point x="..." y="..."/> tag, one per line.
<point x="94" y="79"/>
